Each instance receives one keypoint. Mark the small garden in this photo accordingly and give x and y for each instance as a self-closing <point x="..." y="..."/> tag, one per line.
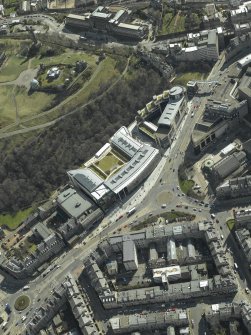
<point x="186" y="185"/>
<point x="22" y="302"/>
<point x="231" y="224"/>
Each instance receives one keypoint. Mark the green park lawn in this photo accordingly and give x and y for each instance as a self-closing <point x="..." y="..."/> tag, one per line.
<point x="230" y="224"/>
<point x="68" y="57"/>
<point x="26" y="104"/>
<point x="186" y="185"/>
<point x="108" y="163"/>
<point x="22" y="302"/>
<point x="12" y="68"/>
<point x="172" y="23"/>
<point x="104" y="73"/>
<point x="13" y="221"/>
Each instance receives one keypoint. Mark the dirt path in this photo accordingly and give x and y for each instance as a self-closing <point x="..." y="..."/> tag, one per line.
<point x="176" y="19"/>
<point x="23" y="79"/>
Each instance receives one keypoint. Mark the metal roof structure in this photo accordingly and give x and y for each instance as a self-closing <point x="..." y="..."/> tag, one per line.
<point x="170" y="112"/>
<point x="130" y="171"/>
<point x="124" y="142"/>
<point x="86" y="179"/>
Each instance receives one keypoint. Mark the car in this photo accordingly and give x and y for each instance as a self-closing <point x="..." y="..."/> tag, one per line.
<point x="194" y="209"/>
<point x="163" y="206"/>
<point x="199" y="210"/>
<point x="247" y="290"/>
<point x="222" y="237"/>
<point x="192" y="114"/>
<point x="178" y="187"/>
<point x="120" y="217"/>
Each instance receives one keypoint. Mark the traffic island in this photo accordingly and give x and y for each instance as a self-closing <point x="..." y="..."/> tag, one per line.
<point x="22" y="302"/>
<point x="230" y="223"/>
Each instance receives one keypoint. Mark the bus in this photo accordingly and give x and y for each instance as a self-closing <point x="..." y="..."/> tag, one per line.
<point x="131" y="211"/>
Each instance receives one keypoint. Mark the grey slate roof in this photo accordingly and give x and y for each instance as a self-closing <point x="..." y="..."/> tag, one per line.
<point x="229" y="164"/>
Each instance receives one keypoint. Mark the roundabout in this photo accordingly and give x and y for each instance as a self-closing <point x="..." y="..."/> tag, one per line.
<point x="22" y="302"/>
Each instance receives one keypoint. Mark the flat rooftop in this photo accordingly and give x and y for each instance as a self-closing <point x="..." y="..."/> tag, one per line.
<point x="74" y="203"/>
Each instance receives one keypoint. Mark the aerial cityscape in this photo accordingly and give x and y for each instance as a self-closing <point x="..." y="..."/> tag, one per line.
<point x="125" y="167"/>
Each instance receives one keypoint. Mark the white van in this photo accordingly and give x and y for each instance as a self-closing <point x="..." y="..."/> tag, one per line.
<point x="4" y="325"/>
<point x="131" y="211"/>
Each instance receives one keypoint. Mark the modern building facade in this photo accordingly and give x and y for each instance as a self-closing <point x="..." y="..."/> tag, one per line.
<point x="162" y="116"/>
<point x="139" y="161"/>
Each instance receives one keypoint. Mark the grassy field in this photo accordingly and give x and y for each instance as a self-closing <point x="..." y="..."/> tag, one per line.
<point x="105" y="72"/>
<point x="68" y="57"/>
<point x="26" y="104"/>
<point x="182" y="79"/>
<point x="108" y="163"/>
<point x="172" y="23"/>
<point x="12" y="68"/>
<point x="231" y="224"/>
<point x="14" y="221"/>
<point x="186" y="185"/>
<point x="22" y="302"/>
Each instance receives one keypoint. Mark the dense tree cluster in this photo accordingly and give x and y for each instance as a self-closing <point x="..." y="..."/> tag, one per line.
<point x="29" y="173"/>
